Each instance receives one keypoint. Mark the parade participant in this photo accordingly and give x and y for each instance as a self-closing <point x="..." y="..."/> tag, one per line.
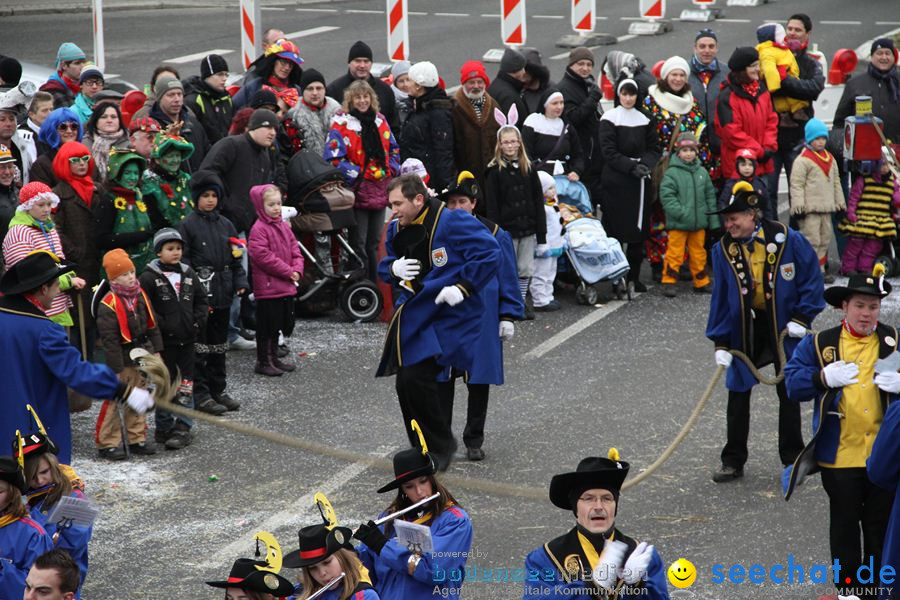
<point x="427" y="133"/>
<point x="438" y="260"/>
<point x="474" y="125"/>
<point x="37" y="351"/>
<point x="278" y="68"/>
<point x="767" y="279"/>
<point x="180" y="307"/>
<point x="53" y="576"/>
<point x="213" y="250"/>
<point x="64" y="84"/>
<point x="359" y="68"/>
<point x="164" y="183"/>
<point x="142" y="133"/>
<point x="594" y="558"/>
<point x="90" y="82"/>
<point x="882" y="469"/>
<point x="22" y="540"/>
<point x="104" y="131"/>
<point x="838" y="369"/>
<point x="816" y="192"/>
<point x="122" y="215"/>
<point x="169" y="108"/>
<point x="60" y="126"/>
<point x="546" y="256"/>
<point x="30" y="229"/>
<point x="208" y="99"/>
<point x="47" y="481"/>
<point x="628" y="143"/>
<point x="396" y="570"/>
<point x="706" y="78"/>
<point x="125" y="321"/>
<point x="251" y="580"/>
<point x="502" y="305"/>
<point x="277" y="267"/>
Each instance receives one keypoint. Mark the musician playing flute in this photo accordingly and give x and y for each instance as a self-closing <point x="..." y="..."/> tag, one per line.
<point x="401" y="572"/>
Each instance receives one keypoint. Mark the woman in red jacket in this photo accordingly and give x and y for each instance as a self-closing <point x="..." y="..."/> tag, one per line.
<point x="745" y="119"/>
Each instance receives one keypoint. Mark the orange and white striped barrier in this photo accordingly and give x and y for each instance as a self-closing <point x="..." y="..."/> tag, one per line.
<point x="251" y="36"/>
<point x="512" y="22"/>
<point x="397" y="30"/>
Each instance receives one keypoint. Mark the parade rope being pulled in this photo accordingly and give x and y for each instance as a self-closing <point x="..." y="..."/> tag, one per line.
<point x="479" y="485"/>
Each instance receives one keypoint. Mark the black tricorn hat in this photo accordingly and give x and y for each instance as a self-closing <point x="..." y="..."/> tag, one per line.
<point x="33" y="271"/>
<point x="410" y="464"/>
<point x="317" y="543"/>
<point x="466" y="185"/>
<point x="591" y="472"/>
<point x="870" y="285"/>
<point x="11" y="471"/>
<point x="35" y="443"/>
<point x="245" y="576"/>
<point x="743" y="198"/>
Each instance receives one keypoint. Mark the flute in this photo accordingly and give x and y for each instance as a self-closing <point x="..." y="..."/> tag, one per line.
<point x="387" y="518"/>
<point x="328" y="586"/>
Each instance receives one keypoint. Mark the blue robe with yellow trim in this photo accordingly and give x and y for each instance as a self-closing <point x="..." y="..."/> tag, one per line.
<point x="39" y="362"/>
<point x="797" y="288"/>
<point x="73" y="540"/>
<point x="462" y="252"/>
<point x="451" y="536"/>
<point x="21" y="542"/>
<point x="883" y="468"/>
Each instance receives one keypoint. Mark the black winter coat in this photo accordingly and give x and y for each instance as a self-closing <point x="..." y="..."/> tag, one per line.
<point x="179" y="316"/>
<point x="882" y="105"/>
<point x="241" y="163"/>
<point x="515" y="201"/>
<point x="506" y="90"/>
<point x="386" y="102"/>
<point x="428" y="136"/>
<point x="582" y="112"/>
<point x="9" y="200"/>
<point x="542" y="148"/>
<point x="77" y="229"/>
<point x="192" y="131"/>
<point x="213" y="109"/>
<point x="208" y="251"/>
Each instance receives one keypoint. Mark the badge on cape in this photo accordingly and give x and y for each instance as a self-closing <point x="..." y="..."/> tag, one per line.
<point x="572" y="565"/>
<point x="439" y="257"/>
<point x="779" y="237"/>
<point x="271" y="581"/>
<point x="828" y="354"/>
<point x="788" y="272"/>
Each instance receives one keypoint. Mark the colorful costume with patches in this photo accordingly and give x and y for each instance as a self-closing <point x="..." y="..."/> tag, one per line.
<point x="883" y="468"/>
<point x="873" y="201"/>
<point x="122" y="216"/>
<point x="22" y="541"/>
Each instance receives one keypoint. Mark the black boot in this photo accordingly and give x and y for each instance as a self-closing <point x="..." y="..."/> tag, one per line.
<point x="276" y="359"/>
<point x="264" y="355"/>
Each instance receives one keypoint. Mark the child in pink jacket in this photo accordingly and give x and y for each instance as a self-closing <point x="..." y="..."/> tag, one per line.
<point x="277" y="266"/>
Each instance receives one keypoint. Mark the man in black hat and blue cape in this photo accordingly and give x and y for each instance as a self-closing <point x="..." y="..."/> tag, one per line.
<point x="38" y="360"/>
<point x="851" y="373"/>
<point x="767" y="278"/>
<point x="594" y="559"/>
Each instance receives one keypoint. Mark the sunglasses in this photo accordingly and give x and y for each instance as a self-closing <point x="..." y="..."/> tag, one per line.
<point x="67" y="127"/>
<point x="80" y="159"/>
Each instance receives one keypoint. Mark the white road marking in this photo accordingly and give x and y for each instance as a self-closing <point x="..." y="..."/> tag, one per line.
<point x="601" y="18"/>
<point x="413" y="13"/>
<point x="840" y="22"/>
<point x="625" y="38"/>
<point x="887" y="22"/>
<point x="290" y="516"/>
<point x="278" y="8"/>
<point x="328" y="10"/>
<point x="312" y="31"/>
<point x="732" y="20"/>
<point x="547" y="17"/>
<point x="490" y="15"/>
<point x="197" y="56"/>
<point x="439" y="14"/>
<point x="363" y="11"/>
<point x="573" y="329"/>
<point x="630" y="19"/>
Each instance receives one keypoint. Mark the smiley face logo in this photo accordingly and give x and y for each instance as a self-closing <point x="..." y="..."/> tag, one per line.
<point x="682" y="573"/>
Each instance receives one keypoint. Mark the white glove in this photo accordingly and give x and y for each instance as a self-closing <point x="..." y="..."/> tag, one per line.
<point x="406" y="268"/>
<point x="507" y="330"/>
<point x="889" y="382"/>
<point x="724" y="358"/>
<point x="840" y="373"/>
<point x="607" y="572"/>
<point x="451" y="295"/>
<point x="288" y="213"/>
<point x="139" y="400"/>
<point x="636" y="565"/>
<point x="796" y="330"/>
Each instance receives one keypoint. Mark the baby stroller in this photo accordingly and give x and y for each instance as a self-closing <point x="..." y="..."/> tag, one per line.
<point x="335" y="273"/>
<point x="595" y="257"/>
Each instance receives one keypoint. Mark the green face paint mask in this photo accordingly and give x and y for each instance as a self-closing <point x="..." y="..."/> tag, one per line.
<point x="170" y="161"/>
<point x="130" y="175"/>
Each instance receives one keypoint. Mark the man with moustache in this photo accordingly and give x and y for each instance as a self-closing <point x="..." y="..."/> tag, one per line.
<point x="474" y="125"/>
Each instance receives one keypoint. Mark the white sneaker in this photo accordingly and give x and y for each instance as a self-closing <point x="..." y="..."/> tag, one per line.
<point x="241" y="343"/>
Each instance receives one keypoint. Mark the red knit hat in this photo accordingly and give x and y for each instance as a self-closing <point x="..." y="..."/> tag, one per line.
<point x="472" y="69"/>
<point x="34" y="192"/>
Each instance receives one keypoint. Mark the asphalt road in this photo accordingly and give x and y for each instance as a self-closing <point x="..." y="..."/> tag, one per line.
<point x="628" y="379"/>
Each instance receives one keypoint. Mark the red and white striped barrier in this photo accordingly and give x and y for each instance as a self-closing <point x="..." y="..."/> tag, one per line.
<point x="512" y="22"/>
<point x="583" y="12"/>
<point x="652" y="12"/>
<point x="398" y="30"/>
<point x="99" y="47"/>
<point x="251" y="36"/>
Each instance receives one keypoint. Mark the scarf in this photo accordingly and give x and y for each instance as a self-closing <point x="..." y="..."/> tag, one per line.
<point x="32" y="496"/>
<point x="477" y="105"/>
<point x="890" y="79"/>
<point x="674" y="103"/>
<point x="73" y="86"/>
<point x="84" y="185"/>
<point x="7" y="519"/>
<point x="100" y="148"/>
<point x="751" y="88"/>
<point x="127" y="293"/>
<point x="371" y="140"/>
<point x="275" y="82"/>
<point x="699" y="67"/>
<point x="749" y="241"/>
<point x="823" y="162"/>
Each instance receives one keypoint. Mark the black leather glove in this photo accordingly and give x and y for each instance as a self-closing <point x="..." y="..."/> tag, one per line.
<point x="640" y="171"/>
<point x="767" y="156"/>
<point x="371" y="536"/>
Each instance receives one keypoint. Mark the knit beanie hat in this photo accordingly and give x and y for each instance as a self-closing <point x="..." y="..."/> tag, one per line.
<point x="547" y="181"/>
<point x="310" y="76"/>
<point x="472" y="69"/>
<point x="116" y="262"/>
<point x="706" y="33"/>
<point x="211" y="65"/>
<point x="6" y="155"/>
<point x="401" y="67"/>
<point x="204" y="180"/>
<point x="414" y="166"/>
<point x="512" y="61"/>
<point x="424" y="73"/>
<point x="166" y="234"/>
<point x="262" y="117"/>
<point x="359" y="50"/>
<point x="884" y="43"/>
<point x="33" y="192"/>
<point x="90" y="72"/>
<point x="742" y="57"/>
<point x="674" y="63"/>
<point x="770" y="32"/>
<point x="68" y="52"/>
<point x="686" y="140"/>
<point x="745" y="154"/>
<point x="580" y="53"/>
<point x="814" y="129"/>
<point x="164" y="84"/>
<point x="263" y="98"/>
<point x="10" y="71"/>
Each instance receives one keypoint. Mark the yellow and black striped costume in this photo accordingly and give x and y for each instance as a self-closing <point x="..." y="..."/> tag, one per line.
<point x="873" y="211"/>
